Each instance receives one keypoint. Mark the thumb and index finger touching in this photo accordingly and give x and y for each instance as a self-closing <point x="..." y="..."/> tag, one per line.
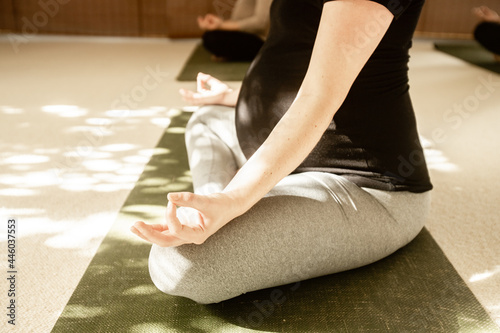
<point x="207" y="87"/>
<point x="206" y="82"/>
<point x="186" y="199"/>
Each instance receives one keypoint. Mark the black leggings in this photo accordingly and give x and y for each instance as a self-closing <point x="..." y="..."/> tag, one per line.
<point x="232" y="45"/>
<point x="488" y="35"/>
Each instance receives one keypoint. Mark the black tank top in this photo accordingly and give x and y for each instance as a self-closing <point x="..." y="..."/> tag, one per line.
<point x="373" y="139"/>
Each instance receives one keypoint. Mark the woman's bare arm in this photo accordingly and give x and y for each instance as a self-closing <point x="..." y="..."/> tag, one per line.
<point x="349" y="32"/>
<point x="256" y="23"/>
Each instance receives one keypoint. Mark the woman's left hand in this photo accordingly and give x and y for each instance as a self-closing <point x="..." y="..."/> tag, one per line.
<point x="209" y="22"/>
<point x="209" y="91"/>
<point x="205" y="215"/>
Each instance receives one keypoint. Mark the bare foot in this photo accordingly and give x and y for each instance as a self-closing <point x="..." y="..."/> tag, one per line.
<point x="218" y="59"/>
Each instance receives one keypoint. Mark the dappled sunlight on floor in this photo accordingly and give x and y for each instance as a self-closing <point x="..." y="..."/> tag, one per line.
<point x="485" y="275"/>
<point x="94" y="163"/>
<point x="80" y="235"/>
<point x="67" y="111"/>
<point x="435" y="158"/>
<point x="67" y="185"/>
<point x="65" y="171"/>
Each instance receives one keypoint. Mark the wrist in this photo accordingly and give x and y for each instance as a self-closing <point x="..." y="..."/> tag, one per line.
<point x="228" y="98"/>
<point x="237" y="204"/>
<point x="229" y="25"/>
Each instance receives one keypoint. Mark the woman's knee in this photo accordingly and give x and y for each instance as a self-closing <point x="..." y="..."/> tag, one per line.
<point x="176" y="275"/>
<point x="487" y="33"/>
<point x="196" y="118"/>
<point x="205" y="113"/>
<point x="198" y="122"/>
<point x="208" y="116"/>
<point x="210" y="37"/>
<point x="213" y="41"/>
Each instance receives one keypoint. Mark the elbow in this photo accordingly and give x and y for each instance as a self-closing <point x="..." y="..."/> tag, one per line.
<point x="262" y="23"/>
<point x="319" y="92"/>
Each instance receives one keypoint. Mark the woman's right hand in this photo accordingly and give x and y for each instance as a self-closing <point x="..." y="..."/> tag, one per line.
<point x="209" y="22"/>
<point x="209" y="90"/>
<point x="205" y="215"/>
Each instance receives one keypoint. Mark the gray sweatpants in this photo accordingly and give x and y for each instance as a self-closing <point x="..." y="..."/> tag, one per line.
<point x="310" y="224"/>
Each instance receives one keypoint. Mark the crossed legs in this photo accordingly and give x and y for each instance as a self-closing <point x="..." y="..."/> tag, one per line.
<point x="310" y="224"/>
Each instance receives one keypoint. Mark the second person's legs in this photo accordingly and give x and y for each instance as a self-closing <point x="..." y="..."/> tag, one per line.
<point x="488" y="35"/>
<point x="232" y="45"/>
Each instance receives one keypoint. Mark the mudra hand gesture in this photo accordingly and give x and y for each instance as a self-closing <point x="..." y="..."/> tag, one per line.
<point x="209" y="22"/>
<point x="199" y="217"/>
<point x="209" y="90"/>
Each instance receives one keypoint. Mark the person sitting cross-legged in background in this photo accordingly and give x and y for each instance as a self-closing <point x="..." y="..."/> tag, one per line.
<point x="240" y="37"/>
<point x="487" y="32"/>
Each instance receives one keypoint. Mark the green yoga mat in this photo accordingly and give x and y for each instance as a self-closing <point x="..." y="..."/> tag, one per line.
<point x="471" y="52"/>
<point x="414" y="290"/>
<point x="200" y="61"/>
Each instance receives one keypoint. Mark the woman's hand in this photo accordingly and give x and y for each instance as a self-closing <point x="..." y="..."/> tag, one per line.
<point x="486" y="14"/>
<point x="209" y="22"/>
<point x="209" y="90"/>
<point x="199" y="217"/>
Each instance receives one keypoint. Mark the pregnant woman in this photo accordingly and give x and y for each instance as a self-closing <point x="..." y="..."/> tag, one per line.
<point x="312" y="168"/>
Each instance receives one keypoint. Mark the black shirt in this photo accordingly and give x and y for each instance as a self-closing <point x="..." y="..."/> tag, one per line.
<point x="373" y="139"/>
